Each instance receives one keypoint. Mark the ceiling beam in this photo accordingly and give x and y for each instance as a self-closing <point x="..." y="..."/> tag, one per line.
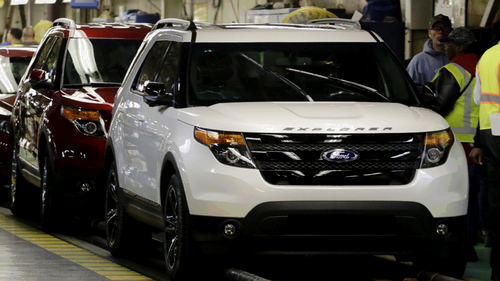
<point x="490" y="13"/>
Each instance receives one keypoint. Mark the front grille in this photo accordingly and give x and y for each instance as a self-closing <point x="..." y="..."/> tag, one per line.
<point x="299" y="159"/>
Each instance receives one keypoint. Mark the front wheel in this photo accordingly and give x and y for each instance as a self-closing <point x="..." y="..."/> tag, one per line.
<point x="48" y="198"/>
<point x="19" y="189"/>
<point x="125" y="236"/>
<point x="179" y="246"/>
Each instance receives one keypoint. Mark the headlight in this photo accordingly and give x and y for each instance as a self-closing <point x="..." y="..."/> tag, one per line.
<point x="4" y="126"/>
<point x="87" y="122"/>
<point x="228" y="148"/>
<point x="437" y="147"/>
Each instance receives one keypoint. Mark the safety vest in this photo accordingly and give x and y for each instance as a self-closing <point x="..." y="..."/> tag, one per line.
<point x="463" y="119"/>
<point x="488" y="72"/>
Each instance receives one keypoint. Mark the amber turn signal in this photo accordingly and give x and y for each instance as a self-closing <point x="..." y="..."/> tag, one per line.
<point x="76" y="114"/>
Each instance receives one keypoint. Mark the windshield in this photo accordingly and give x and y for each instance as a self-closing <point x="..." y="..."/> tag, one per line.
<point x="98" y="61"/>
<point x="11" y="71"/>
<point x="242" y="72"/>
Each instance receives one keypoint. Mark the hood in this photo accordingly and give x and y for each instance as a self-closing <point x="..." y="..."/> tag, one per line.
<point x="90" y="97"/>
<point x="314" y="117"/>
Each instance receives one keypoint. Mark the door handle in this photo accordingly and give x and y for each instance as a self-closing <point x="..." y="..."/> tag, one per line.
<point x="140" y="117"/>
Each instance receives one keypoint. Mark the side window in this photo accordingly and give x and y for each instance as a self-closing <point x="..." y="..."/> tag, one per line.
<point x="51" y="64"/>
<point x="149" y="69"/>
<point x="169" y="73"/>
<point x="43" y="53"/>
<point x="47" y="60"/>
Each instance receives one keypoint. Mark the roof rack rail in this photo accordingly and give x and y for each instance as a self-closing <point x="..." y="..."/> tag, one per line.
<point x="337" y="22"/>
<point x="172" y="22"/>
<point x="68" y="23"/>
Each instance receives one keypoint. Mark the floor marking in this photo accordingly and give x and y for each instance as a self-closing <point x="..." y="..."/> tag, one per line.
<point x="70" y="252"/>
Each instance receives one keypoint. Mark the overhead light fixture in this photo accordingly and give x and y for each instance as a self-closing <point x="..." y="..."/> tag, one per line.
<point x="19" y="2"/>
<point x="45" y="1"/>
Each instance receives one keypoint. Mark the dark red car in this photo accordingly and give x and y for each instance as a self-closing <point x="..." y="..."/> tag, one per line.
<point x="61" y="116"/>
<point x="13" y="64"/>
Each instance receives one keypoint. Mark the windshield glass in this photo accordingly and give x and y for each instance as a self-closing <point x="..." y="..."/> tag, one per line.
<point x="91" y="61"/>
<point x="11" y="71"/>
<point x="242" y="72"/>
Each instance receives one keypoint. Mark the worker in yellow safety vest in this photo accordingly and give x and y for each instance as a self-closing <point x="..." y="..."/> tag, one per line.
<point x="454" y="84"/>
<point x="487" y="94"/>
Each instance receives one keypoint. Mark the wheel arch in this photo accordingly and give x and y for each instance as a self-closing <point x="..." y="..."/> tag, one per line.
<point x="168" y="169"/>
<point x="109" y="157"/>
<point x="45" y="141"/>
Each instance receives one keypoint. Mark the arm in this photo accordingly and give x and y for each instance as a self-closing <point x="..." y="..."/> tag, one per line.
<point x="477" y="90"/>
<point x="476" y="153"/>
<point x="447" y="90"/>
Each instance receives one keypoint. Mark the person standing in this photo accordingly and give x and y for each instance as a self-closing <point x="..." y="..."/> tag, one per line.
<point x="424" y="66"/>
<point x="14" y="37"/>
<point x="487" y="92"/>
<point x="29" y="36"/>
<point x="454" y="84"/>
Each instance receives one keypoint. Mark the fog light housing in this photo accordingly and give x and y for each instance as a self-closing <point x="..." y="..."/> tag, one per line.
<point x="442" y="229"/>
<point x="85" y="186"/>
<point x="231" y="229"/>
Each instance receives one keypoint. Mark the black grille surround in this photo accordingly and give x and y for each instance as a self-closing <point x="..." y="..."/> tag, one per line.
<point x="298" y="159"/>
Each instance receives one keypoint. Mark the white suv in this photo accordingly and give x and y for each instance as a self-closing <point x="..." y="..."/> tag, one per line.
<point x="271" y="139"/>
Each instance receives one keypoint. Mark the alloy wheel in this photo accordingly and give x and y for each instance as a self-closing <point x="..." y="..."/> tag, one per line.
<point x="111" y="208"/>
<point x="43" y="199"/>
<point x="13" y="179"/>
<point x="171" y="220"/>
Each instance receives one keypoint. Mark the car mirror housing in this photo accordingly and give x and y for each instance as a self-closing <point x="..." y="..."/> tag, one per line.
<point x="429" y="95"/>
<point x="156" y="94"/>
<point x="39" y="79"/>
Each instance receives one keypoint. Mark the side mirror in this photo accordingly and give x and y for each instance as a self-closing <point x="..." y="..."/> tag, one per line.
<point x="429" y="95"/>
<point x="155" y="94"/>
<point x="39" y="79"/>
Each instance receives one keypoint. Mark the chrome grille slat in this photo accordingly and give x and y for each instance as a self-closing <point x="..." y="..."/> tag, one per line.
<point x="266" y="147"/>
<point x="296" y="159"/>
<point x="303" y="165"/>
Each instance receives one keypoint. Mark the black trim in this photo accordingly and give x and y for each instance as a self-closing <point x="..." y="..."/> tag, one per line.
<point x="372" y="227"/>
<point x="143" y="210"/>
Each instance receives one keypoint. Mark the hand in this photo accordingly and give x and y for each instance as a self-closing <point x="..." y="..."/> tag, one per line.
<point x="476" y="155"/>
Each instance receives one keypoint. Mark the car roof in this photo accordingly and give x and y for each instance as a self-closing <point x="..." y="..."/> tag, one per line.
<point x="335" y="30"/>
<point x="17" y="51"/>
<point x="100" y="30"/>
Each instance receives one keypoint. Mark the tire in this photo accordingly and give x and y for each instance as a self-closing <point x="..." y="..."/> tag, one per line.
<point x="448" y="259"/>
<point x="124" y="235"/>
<point x="48" y="194"/>
<point x="181" y="253"/>
<point x="19" y="190"/>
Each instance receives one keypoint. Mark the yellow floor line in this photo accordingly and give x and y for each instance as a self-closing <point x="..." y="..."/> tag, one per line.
<point x="70" y="252"/>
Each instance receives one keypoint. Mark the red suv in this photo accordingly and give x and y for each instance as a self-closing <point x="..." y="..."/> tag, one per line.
<point x="61" y="116"/>
<point x="13" y="64"/>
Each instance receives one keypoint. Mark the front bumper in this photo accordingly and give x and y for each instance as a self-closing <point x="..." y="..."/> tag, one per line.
<point x="341" y="227"/>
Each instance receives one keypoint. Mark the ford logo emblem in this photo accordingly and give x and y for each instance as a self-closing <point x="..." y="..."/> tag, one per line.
<point x="340" y="155"/>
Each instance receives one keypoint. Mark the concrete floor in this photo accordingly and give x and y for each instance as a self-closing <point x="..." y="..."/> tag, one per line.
<point x="479" y="270"/>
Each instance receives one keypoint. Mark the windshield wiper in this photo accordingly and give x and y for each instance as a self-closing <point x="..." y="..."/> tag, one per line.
<point x="93" y="84"/>
<point x="342" y="81"/>
<point x="280" y="77"/>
